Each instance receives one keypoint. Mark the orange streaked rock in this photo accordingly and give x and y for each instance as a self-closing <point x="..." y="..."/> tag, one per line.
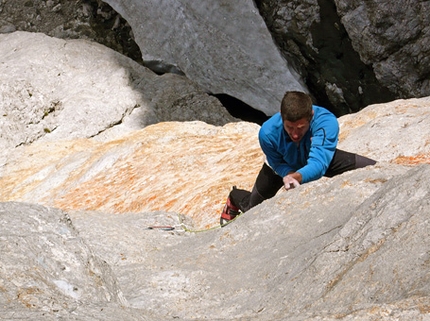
<point x="189" y="167"/>
<point x="186" y="168"/>
<point x="413" y="160"/>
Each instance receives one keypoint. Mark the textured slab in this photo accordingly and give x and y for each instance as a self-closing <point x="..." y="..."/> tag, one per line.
<point x="187" y="168"/>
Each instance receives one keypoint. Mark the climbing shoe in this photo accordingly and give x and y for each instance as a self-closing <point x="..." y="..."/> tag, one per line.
<point x="229" y="212"/>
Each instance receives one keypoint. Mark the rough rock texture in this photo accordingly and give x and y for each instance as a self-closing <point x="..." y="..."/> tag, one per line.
<point x="393" y="38"/>
<point x="352" y="247"/>
<point x="47" y="270"/>
<point x="329" y="249"/>
<point x="401" y="131"/>
<point x="60" y="89"/>
<point x="187" y="167"/>
<point x="350" y="54"/>
<point x="225" y="47"/>
<point x="354" y="53"/>
<point x="178" y="167"/>
<point x="310" y="33"/>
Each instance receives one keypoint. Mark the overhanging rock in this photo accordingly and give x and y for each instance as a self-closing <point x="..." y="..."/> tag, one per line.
<point x="223" y="46"/>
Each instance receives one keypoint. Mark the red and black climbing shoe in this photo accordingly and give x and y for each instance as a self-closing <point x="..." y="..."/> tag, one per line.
<point x="228" y="213"/>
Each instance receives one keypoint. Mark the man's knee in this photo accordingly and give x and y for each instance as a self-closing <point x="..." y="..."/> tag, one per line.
<point x="361" y="161"/>
<point x="245" y="200"/>
<point x="345" y="161"/>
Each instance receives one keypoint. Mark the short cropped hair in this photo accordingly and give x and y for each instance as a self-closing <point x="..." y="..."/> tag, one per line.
<point x="296" y="105"/>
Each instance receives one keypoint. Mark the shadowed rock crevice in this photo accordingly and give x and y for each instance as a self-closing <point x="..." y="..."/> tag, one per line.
<point x="338" y="64"/>
<point x="240" y="110"/>
<point x="312" y="35"/>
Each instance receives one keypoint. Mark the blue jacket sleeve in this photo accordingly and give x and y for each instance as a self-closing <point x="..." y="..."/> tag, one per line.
<point x="324" y="139"/>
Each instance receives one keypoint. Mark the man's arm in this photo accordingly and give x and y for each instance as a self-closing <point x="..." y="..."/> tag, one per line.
<point x="323" y="146"/>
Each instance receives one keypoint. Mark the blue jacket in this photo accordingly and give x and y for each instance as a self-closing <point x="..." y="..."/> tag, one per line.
<point x="312" y="156"/>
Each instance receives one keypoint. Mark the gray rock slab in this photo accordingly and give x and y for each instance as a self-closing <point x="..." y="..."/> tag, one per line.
<point x="223" y="46"/>
<point x="353" y="245"/>
<point x="56" y="89"/>
<point x="47" y="271"/>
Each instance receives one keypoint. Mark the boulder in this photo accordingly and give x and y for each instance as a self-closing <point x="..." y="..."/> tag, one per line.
<point x="224" y="47"/>
<point x="64" y="89"/>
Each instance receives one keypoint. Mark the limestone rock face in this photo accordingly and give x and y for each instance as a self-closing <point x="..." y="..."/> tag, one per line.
<point x="186" y="168"/>
<point x="223" y="46"/>
<point x="112" y="217"/>
<point x="300" y="251"/>
<point x="352" y="246"/>
<point x="58" y="89"/>
<point x="47" y="269"/>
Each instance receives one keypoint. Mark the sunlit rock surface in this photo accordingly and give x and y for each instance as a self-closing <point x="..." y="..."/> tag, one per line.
<point x="396" y="132"/>
<point x="186" y="168"/>
<point x="189" y="168"/>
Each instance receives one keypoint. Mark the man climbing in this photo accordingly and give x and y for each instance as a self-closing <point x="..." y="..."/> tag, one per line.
<point x="299" y="143"/>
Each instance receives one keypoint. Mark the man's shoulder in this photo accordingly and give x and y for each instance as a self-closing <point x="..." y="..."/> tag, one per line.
<point x="318" y="110"/>
<point x="322" y="114"/>
<point x="323" y="118"/>
<point x="272" y="128"/>
<point x="273" y="122"/>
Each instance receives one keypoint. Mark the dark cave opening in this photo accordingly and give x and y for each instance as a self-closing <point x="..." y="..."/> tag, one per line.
<point x="241" y="110"/>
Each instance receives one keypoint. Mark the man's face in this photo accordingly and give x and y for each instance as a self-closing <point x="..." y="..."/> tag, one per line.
<point x="297" y="129"/>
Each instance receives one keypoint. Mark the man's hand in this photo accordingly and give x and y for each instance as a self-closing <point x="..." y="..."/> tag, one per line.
<point x="290" y="182"/>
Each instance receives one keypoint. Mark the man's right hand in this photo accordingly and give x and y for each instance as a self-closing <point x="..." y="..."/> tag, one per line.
<point x="290" y="182"/>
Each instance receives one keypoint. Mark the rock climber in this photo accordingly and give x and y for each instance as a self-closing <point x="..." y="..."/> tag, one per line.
<point x="300" y="146"/>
